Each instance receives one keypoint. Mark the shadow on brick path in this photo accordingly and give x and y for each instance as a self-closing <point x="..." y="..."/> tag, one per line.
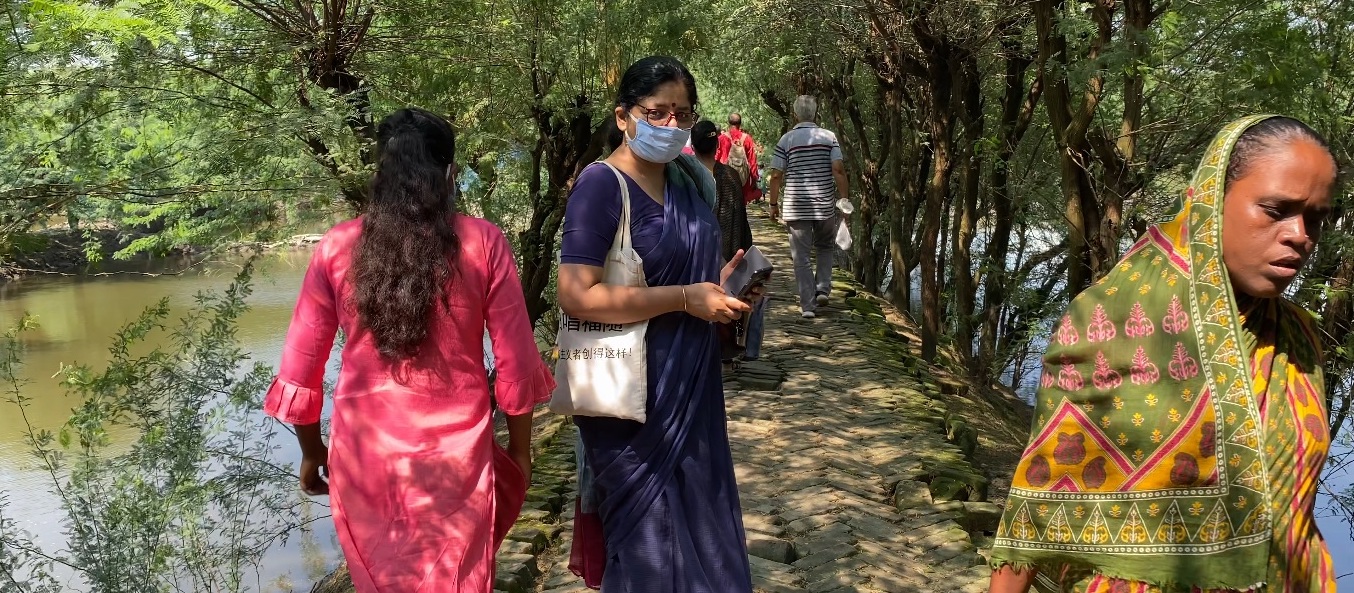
<point x="852" y="475"/>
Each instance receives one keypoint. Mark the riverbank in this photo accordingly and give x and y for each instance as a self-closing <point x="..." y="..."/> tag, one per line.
<point x="66" y="252"/>
<point x="61" y="251"/>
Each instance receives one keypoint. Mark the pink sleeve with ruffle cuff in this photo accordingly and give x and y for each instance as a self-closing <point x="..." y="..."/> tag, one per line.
<point x="523" y="379"/>
<point x="519" y="397"/>
<point x="310" y="337"/>
<point x="292" y="403"/>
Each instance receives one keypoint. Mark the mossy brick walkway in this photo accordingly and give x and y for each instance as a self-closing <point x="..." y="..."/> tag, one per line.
<point x="852" y="475"/>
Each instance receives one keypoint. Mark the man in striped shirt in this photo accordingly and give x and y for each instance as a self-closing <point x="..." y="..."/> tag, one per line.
<point x="808" y="165"/>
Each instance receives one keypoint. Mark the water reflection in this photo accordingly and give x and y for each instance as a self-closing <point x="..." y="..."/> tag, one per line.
<point x="77" y="318"/>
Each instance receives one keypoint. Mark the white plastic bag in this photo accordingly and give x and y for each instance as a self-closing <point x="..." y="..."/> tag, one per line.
<point x="602" y="368"/>
<point x="844" y="230"/>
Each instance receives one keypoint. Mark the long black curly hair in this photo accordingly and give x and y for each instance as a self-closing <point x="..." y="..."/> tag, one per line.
<point x="403" y="261"/>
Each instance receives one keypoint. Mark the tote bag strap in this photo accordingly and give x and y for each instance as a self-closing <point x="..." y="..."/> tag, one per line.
<point x="622" y="241"/>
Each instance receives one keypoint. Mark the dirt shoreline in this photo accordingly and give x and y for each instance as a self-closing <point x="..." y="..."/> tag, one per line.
<point x="63" y="253"/>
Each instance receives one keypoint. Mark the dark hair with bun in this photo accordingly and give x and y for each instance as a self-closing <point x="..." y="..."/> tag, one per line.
<point x="705" y="138"/>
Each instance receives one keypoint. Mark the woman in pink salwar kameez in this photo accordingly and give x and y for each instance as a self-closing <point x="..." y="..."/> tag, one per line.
<point x="421" y="493"/>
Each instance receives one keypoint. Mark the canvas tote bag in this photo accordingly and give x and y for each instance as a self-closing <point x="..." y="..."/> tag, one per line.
<point x="602" y="368"/>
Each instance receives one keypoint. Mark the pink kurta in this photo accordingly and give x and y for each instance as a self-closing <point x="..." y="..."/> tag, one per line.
<point x="421" y="493"/>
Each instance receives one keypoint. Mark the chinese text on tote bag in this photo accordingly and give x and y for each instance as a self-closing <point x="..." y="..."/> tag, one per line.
<point x="602" y="368"/>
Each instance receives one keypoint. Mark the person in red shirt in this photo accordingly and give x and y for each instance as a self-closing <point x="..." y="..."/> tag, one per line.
<point x="751" y="191"/>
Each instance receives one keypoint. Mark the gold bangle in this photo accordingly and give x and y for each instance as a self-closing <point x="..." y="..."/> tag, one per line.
<point x="683" y="287"/>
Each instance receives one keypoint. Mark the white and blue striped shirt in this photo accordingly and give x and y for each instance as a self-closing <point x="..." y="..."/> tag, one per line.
<point x="805" y="155"/>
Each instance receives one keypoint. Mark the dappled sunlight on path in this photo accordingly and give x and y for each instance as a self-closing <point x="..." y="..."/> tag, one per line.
<point x="852" y="475"/>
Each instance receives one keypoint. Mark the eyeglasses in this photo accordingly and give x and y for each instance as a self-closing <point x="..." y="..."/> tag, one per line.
<point x="661" y="117"/>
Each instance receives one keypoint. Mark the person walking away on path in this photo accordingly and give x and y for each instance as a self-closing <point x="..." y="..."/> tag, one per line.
<point x="421" y="494"/>
<point x="738" y="150"/>
<point x="1180" y="425"/>
<point x="734" y="229"/>
<point x="808" y="167"/>
<point x="662" y="513"/>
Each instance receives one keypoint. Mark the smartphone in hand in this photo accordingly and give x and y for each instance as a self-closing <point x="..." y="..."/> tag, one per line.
<point x="754" y="270"/>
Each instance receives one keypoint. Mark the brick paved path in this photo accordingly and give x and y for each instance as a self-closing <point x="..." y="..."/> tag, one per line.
<point x="852" y="476"/>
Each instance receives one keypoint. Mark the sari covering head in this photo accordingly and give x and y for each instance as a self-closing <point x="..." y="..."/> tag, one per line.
<point x="1177" y="438"/>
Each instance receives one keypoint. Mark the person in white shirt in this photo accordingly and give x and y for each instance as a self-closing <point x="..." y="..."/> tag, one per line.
<point x="808" y="166"/>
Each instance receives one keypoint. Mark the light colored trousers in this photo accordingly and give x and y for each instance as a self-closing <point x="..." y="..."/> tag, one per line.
<point x="809" y="237"/>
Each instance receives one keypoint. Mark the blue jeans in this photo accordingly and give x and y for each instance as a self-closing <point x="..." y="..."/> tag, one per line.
<point x="754" y="332"/>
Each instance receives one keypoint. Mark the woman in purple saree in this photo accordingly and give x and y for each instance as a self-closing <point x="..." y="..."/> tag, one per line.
<point x="661" y="513"/>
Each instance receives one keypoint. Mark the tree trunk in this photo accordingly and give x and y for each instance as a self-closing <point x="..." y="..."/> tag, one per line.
<point x="596" y="146"/>
<point x="1338" y="320"/>
<point x="1070" y="123"/>
<point x="780" y="107"/>
<point x="1017" y="109"/>
<point x="1005" y="339"/>
<point x="939" y="52"/>
<point x="970" y="107"/>
<point x="940" y="125"/>
<point x="563" y="139"/>
<point x="1079" y="207"/>
<point x="900" y="287"/>
<point x="331" y="39"/>
<point x="909" y="192"/>
<point x="1117" y="156"/>
<point x="1023" y="316"/>
<point x="899" y="201"/>
<point x="869" y="148"/>
<point x="949" y="227"/>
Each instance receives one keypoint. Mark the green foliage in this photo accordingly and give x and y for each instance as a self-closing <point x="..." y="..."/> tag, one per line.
<point x="22" y="243"/>
<point x="205" y="122"/>
<point x="194" y="502"/>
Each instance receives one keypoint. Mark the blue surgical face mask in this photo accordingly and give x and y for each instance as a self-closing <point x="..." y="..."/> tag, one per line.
<point x="657" y="144"/>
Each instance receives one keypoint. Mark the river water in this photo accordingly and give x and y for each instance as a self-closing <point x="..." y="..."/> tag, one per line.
<point x="77" y="318"/>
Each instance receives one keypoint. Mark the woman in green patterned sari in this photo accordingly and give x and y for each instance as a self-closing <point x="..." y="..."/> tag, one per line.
<point x="1180" y="423"/>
